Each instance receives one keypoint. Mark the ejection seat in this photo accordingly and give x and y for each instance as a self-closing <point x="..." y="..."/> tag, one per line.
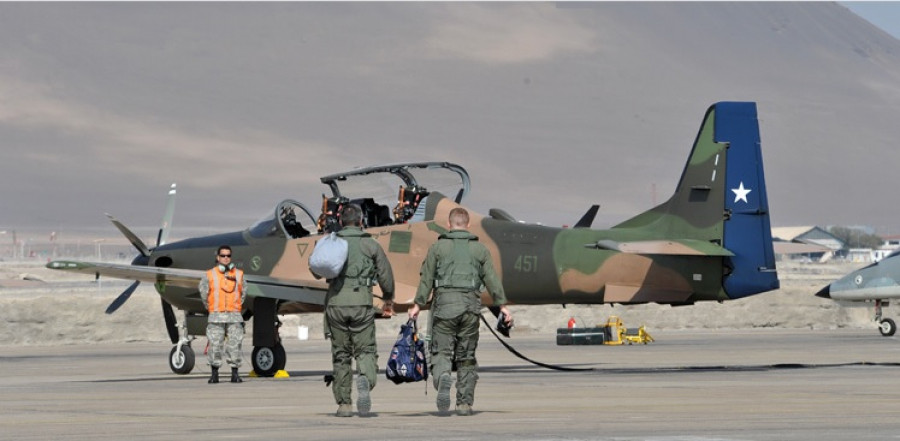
<point x="408" y="202"/>
<point x="328" y="221"/>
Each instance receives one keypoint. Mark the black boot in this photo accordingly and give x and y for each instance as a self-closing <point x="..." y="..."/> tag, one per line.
<point x="214" y="376"/>
<point x="235" y="378"/>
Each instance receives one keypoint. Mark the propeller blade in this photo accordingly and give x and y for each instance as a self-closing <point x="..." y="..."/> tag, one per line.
<point x="169" y="315"/>
<point x="136" y="241"/>
<point x="122" y="297"/>
<point x="167" y="218"/>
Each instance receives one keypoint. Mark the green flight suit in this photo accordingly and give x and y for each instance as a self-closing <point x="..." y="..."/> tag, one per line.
<point x="456" y="267"/>
<point x="349" y="314"/>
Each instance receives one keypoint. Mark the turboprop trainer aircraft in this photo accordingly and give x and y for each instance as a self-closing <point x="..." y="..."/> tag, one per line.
<point x="710" y="241"/>
<point x="878" y="282"/>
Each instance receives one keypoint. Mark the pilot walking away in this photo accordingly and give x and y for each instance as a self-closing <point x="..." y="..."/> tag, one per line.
<point x="350" y="315"/>
<point x="224" y="291"/>
<point x="455" y="269"/>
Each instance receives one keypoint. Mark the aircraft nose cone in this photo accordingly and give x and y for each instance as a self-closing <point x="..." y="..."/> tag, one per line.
<point x="825" y="293"/>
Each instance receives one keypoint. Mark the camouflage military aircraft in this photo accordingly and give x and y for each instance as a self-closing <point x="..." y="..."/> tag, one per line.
<point x="878" y="282"/>
<point x="710" y="241"/>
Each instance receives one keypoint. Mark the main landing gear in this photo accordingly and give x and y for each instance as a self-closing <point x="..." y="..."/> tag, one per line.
<point x="268" y="360"/>
<point x="268" y="356"/>
<point x="886" y="326"/>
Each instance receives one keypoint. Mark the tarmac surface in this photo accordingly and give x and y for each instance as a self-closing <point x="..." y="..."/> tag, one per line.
<point x="687" y="385"/>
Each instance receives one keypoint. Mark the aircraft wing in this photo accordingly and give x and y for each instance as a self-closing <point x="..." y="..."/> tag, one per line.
<point x="170" y="276"/>
<point x="304" y="291"/>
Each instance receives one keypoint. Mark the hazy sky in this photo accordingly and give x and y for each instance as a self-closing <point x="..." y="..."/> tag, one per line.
<point x="885" y="15"/>
<point x="551" y="107"/>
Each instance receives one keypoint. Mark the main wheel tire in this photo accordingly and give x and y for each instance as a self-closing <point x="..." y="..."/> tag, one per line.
<point x="280" y="357"/>
<point x="888" y="327"/>
<point x="181" y="362"/>
<point x="267" y="360"/>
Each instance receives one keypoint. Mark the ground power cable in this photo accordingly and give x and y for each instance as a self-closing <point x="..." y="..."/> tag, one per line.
<point x="518" y="354"/>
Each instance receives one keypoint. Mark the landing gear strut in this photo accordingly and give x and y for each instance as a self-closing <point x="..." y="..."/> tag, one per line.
<point x="887" y="327"/>
<point x="268" y="356"/>
<point x="181" y="357"/>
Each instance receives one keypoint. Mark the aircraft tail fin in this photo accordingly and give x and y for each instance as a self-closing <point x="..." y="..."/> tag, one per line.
<point x="721" y="198"/>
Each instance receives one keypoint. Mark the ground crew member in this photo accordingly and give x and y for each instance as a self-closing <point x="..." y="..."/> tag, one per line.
<point x="350" y="316"/>
<point x="224" y="291"/>
<point x="456" y="267"/>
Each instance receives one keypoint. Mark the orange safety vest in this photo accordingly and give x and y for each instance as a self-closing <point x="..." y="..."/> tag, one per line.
<point x="224" y="294"/>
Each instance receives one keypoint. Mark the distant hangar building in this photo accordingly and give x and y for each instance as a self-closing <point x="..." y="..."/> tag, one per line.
<point x="808" y="242"/>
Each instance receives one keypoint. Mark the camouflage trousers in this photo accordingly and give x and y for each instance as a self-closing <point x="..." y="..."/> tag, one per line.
<point x="456" y="338"/>
<point x="216" y="333"/>
<point x="352" y="337"/>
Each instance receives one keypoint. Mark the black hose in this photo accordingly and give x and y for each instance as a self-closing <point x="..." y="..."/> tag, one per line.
<point x="518" y="354"/>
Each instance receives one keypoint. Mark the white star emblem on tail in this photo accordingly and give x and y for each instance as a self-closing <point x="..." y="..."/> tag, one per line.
<point x="740" y="193"/>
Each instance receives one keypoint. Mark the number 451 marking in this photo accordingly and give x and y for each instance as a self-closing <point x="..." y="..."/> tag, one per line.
<point x="526" y="264"/>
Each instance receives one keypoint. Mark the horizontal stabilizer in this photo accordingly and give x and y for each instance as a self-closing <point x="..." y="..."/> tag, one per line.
<point x="683" y="247"/>
<point x="615" y="293"/>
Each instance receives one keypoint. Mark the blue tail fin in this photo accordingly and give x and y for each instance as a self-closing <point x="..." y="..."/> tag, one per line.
<point x="721" y="199"/>
<point x="747" y="232"/>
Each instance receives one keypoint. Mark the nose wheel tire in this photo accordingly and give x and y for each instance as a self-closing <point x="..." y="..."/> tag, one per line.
<point x="181" y="362"/>
<point x="887" y="327"/>
<point x="267" y="360"/>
